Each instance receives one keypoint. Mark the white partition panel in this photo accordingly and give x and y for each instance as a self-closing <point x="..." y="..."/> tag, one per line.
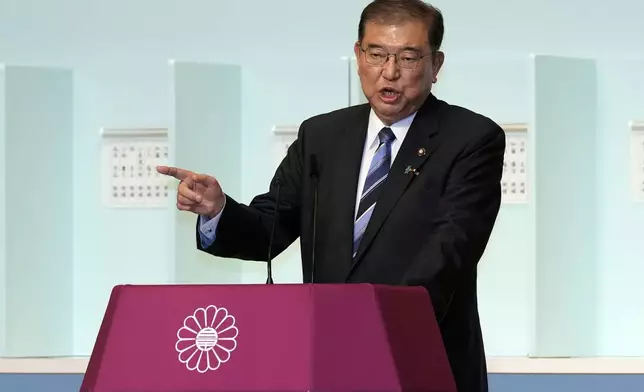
<point x="3" y="216"/>
<point x="206" y="138"/>
<point x="506" y="270"/>
<point x="37" y="179"/>
<point x="565" y="128"/>
<point x="619" y="165"/>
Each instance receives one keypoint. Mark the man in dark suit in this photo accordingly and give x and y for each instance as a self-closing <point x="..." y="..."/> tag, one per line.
<point x="408" y="186"/>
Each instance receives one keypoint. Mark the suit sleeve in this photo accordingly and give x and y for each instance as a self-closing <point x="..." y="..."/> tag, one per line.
<point x="468" y="212"/>
<point x="243" y="231"/>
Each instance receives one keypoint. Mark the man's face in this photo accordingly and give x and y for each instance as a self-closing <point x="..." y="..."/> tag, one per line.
<point x="393" y="90"/>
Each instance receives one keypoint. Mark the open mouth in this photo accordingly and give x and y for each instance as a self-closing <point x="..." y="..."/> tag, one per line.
<point x="389" y="95"/>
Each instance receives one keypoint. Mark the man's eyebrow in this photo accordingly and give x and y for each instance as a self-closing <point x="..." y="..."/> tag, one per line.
<point x="405" y="48"/>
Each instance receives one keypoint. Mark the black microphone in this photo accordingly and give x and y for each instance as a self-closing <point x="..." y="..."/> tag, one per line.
<point x="269" y="265"/>
<point x="314" y="173"/>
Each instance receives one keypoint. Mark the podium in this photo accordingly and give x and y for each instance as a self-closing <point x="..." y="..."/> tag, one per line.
<point x="269" y="338"/>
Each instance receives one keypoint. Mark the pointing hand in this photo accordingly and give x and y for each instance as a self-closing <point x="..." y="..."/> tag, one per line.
<point x="198" y="193"/>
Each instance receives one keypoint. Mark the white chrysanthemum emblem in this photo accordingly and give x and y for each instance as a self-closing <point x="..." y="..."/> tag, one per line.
<point x="206" y="339"/>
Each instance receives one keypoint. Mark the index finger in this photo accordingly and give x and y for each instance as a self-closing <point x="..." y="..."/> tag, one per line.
<point x="179" y="174"/>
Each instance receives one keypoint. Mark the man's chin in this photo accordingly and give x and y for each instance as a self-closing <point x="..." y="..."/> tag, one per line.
<point x="390" y="113"/>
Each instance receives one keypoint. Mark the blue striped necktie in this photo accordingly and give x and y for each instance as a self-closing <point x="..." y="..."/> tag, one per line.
<point x="376" y="177"/>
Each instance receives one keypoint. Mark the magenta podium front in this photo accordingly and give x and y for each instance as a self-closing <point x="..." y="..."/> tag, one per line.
<point x="331" y="338"/>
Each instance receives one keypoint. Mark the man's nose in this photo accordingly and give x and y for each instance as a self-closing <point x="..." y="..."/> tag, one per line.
<point x="390" y="69"/>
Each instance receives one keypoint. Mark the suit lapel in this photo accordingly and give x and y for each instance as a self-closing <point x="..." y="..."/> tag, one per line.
<point x="421" y="132"/>
<point x="348" y="148"/>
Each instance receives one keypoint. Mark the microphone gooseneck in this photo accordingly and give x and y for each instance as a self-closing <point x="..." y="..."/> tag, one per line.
<point x="269" y="260"/>
<point x="314" y="173"/>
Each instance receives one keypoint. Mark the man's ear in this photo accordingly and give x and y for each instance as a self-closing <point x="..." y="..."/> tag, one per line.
<point x="439" y="59"/>
<point x="356" y="52"/>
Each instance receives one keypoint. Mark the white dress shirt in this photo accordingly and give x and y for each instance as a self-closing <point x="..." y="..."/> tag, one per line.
<point x="208" y="228"/>
<point x="372" y="141"/>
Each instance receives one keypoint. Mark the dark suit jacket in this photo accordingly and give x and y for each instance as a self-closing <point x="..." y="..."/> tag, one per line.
<point x="428" y="229"/>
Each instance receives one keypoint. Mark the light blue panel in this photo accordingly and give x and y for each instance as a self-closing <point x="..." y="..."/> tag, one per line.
<point x="497" y="86"/>
<point x="620" y="220"/>
<point x="275" y="94"/>
<point x="40" y="382"/>
<point x="39" y="211"/>
<point x="497" y="382"/>
<point x="506" y="270"/>
<point x="114" y="245"/>
<point x="3" y="216"/>
<point x="565" y="123"/>
<point x="206" y="138"/>
<point x="506" y="283"/>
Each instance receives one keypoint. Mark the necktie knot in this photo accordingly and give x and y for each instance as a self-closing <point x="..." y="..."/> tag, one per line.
<point x="386" y="135"/>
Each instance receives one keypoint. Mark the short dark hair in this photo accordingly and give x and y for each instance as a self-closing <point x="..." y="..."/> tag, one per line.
<point x="397" y="11"/>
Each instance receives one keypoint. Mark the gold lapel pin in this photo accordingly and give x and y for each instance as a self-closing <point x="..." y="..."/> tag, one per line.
<point x="411" y="170"/>
<point x="421" y="152"/>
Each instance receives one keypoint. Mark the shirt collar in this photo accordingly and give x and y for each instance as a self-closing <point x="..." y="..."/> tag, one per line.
<point x="399" y="128"/>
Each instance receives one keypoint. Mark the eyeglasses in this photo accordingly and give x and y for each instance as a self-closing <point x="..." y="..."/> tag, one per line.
<point x="407" y="59"/>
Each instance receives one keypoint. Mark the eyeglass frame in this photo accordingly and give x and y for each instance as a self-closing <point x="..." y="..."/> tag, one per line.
<point x="396" y="56"/>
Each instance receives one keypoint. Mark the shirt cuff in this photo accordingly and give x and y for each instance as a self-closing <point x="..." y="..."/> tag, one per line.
<point x="208" y="228"/>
